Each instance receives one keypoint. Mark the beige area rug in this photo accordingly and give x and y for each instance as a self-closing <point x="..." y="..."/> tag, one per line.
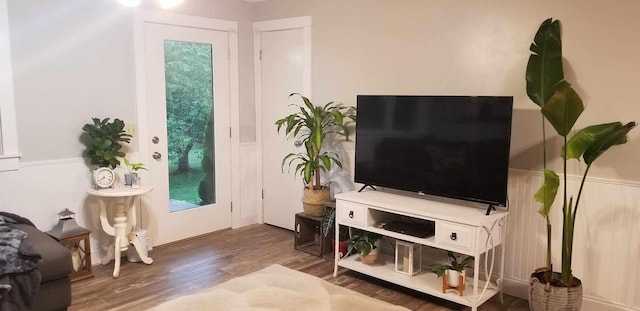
<point x="277" y="288"/>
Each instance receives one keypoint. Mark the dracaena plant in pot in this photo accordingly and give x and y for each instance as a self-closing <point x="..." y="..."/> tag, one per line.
<point x="309" y="126"/>
<point x="560" y="106"/>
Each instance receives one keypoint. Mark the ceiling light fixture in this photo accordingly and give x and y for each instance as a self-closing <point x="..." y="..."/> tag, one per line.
<point x="129" y="2"/>
<point x="167" y="4"/>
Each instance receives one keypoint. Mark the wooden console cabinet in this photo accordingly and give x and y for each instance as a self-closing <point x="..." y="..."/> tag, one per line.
<point x="462" y="229"/>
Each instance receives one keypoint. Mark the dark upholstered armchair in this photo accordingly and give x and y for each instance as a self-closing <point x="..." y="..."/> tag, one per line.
<point x="45" y="288"/>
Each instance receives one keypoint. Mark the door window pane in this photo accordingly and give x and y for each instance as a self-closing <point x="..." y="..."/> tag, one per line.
<point x="189" y="104"/>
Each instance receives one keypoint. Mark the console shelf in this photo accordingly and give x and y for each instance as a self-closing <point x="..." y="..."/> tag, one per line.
<point x="462" y="229"/>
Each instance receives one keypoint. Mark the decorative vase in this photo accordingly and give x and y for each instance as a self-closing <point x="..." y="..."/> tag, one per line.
<point x="453" y="277"/>
<point x="129" y="177"/>
<point x="554" y="297"/>
<point x="313" y="201"/>
<point x="370" y="258"/>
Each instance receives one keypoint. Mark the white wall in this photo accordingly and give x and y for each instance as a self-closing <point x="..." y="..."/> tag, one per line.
<point x="477" y="48"/>
<point x="481" y="48"/>
<point x="359" y="46"/>
<point x="73" y="60"/>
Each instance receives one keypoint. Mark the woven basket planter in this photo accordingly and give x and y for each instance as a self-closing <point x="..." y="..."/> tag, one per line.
<point x="313" y="201"/>
<point x="554" y="298"/>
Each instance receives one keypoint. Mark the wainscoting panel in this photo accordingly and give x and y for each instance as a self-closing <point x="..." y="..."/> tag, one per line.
<point x="607" y="237"/>
<point x="248" y="184"/>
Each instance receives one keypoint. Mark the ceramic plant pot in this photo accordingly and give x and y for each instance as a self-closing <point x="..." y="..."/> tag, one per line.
<point x="129" y="177"/>
<point x="370" y="258"/>
<point x="453" y="277"/>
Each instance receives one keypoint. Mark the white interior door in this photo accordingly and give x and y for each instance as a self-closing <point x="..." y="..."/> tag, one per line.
<point x="284" y="69"/>
<point x="187" y="78"/>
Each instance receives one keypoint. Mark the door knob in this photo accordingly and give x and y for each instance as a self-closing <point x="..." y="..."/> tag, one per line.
<point x="156" y="155"/>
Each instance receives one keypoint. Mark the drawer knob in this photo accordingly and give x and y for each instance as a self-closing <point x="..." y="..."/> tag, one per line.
<point x="453" y="236"/>
<point x="350" y="214"/>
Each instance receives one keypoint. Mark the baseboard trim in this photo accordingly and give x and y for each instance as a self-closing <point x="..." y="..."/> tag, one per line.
<point x="520" y="289"/>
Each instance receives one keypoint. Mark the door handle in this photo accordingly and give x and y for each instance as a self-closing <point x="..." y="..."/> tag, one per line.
<point x="156" y="155"/>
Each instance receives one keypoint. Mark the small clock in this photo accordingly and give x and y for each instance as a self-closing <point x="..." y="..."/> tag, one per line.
<point x="104" y="177"/>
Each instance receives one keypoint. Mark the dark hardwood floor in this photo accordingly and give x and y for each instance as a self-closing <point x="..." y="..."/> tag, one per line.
<point x="188" y="266"/>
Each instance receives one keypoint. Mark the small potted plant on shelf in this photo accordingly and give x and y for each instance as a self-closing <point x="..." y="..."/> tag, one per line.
<point x="309" y="126"/>
<point x="364" y="243"/>
<point x="453" y="270"/>
<point x="131" y="178"/>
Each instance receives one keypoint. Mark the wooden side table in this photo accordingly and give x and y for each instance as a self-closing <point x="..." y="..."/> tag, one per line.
<point x="309" y="237"/>
<point x="80" y="247"/>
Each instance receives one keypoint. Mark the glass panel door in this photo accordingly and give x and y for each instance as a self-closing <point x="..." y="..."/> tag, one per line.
<point x="187" y="80"/>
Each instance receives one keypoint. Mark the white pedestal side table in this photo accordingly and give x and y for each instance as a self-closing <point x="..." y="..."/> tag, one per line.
<point x="123" y="201"/>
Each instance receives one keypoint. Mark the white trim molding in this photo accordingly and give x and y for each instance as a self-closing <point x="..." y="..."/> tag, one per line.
<point x="9" y="155"/>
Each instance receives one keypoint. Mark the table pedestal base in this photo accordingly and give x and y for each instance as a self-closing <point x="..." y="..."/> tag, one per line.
<point x="122" y="225"/>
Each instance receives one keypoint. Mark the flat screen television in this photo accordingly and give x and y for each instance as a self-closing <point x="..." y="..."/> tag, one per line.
<point x="449" y="146"/>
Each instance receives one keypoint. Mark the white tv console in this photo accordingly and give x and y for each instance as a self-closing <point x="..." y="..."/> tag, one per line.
<point x="461" y="229"/>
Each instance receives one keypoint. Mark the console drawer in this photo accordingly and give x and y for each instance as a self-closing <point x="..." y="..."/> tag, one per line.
<point x="455" y="235"/>
<point x="350" y="213"/>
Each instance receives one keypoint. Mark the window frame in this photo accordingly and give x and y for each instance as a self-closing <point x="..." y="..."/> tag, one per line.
<point x="9" y="155"/>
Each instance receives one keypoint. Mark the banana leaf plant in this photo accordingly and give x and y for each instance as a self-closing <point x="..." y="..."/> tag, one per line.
<point x="561" y="106"/>
<point x="310" y="126"/>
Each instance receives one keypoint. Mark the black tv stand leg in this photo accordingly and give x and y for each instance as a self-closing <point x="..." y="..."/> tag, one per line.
<point x="491" y="207"/>
<point x="365" y="186"/>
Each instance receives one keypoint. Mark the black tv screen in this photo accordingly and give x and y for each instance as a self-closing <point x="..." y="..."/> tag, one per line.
<point x="450" y="146"/>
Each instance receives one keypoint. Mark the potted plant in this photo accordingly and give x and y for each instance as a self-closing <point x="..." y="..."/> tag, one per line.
<point x="103" y="142"/>
<point x="309" y="126"/>
<point x="131" y="178"/>
<point x="561" y="106"/>
<point x="453" y="270"/>
<point x="364" y="243"/>
<point x="329" y="219"/>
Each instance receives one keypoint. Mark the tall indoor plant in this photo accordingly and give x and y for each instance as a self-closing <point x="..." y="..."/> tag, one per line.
<point x="561" y="106"/>
<point x="310" y="125"/>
